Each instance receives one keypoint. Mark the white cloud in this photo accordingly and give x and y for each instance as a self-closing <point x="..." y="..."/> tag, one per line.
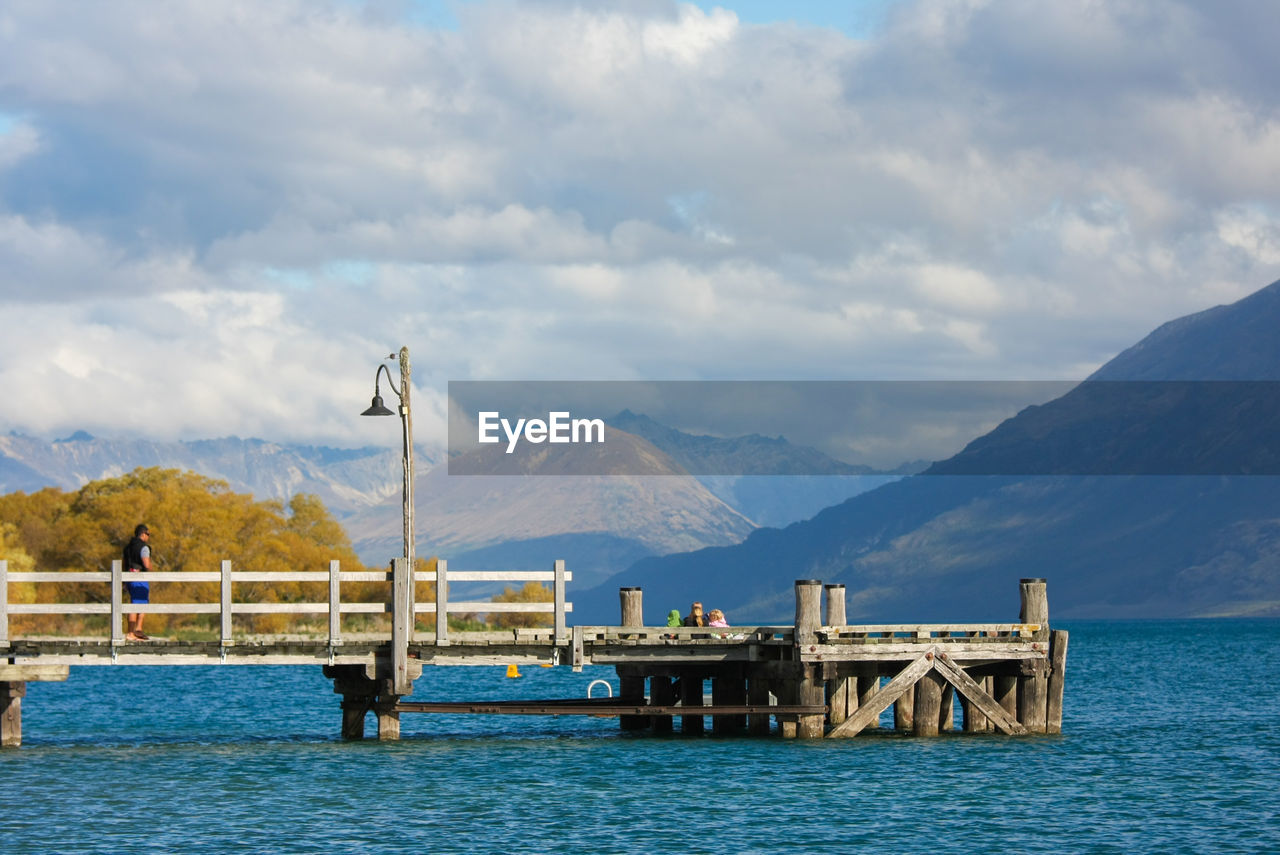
<point x="266" y="196"/>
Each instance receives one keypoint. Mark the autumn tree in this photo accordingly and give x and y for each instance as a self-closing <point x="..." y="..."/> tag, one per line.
<point x="531" y="592"/>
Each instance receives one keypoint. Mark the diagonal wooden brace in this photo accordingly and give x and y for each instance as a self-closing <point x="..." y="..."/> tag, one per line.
<point x="880" y="701"/>
<point x="977" y="696"/>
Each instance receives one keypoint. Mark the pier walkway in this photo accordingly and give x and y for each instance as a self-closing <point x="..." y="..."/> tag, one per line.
<point x="817" y="677"/>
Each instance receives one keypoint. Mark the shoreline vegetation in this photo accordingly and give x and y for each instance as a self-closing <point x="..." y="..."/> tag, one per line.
<point x="198" y="522"/>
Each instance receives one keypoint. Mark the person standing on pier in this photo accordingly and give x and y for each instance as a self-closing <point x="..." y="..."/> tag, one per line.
<point x="137" y="559"/>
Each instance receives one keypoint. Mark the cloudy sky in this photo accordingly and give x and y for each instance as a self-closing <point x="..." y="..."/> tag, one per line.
<point x="215" y="218"/>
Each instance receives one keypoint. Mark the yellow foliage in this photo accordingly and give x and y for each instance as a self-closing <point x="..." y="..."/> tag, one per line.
<point x="196" y="522"/>
<point x="531" y="592"/>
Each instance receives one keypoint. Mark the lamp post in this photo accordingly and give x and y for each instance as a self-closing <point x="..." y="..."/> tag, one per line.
<point x="377" y="408"/>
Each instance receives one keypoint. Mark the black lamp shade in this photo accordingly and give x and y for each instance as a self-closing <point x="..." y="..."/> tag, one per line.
<point x="377" y="408"/>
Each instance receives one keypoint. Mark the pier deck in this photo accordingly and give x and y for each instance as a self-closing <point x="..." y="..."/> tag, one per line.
<point x="817" y="677"/>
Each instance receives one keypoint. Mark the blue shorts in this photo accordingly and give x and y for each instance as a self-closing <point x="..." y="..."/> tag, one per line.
<point x="139" y="592"/>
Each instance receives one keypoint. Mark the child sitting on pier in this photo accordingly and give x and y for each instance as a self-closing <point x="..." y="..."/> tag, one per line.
<point x="717" y="618"/>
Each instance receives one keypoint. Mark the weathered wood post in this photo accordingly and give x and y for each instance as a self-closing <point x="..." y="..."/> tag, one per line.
<point x="1057" y="674"/>
<point x="809" y="688"/>
<point x="728" y="687"/>
<point x="117" y="609"/>
<point x="359" y="694"/>
<point x="1033" y="689"/>
<point x="904" y="709"/>
<point x="868" y="685"/>
<point x="662" y="693"/>
<point x="758" y="695"/>
<point x="691" y="696"/>
<point x="841" y="693"/>
<point x="4" y="601"/>
<point x="630" y="681"/>
<point x="928" y="703"/>
<point x="11" y="694"/>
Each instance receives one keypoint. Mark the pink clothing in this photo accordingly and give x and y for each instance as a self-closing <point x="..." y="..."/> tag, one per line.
<point x="718" y="623"/>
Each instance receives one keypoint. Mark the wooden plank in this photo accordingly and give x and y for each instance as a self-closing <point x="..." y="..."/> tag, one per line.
<point x="495" y="576"/>
<point x="931" y="628"/>
<point x="995" y="649"/>
<point x="23" y="673"/>
<point x="978" y="697"/>
<point x="577" y="655"/>
<point x="1057" y="677"/>
<point x="880" y="701"/>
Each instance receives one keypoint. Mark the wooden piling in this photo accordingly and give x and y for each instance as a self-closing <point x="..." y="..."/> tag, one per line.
<point x="868" y="685"/>
<point x="841" y="691"/>
<point x="1057" y="676"/>
<point x="758" y="694"/>
<point x="11" y="694"/>
<point x="809" y="688"/>
<point x="631" y="681"/>
<point x="661" y="693"/>
<point x="691" y="696"/>
<point x="928" y="704"/>
<point x="947" y="709"/>
<point x="1033" y="689"/>
<point x="904" y="710"/>
<point x="359" y="694"/>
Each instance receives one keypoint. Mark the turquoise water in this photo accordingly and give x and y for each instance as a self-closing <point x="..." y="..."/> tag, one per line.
<point x="1171" y="743"/>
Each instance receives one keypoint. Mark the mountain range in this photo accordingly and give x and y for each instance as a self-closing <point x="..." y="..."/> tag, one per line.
<point x="1138" y="505"/>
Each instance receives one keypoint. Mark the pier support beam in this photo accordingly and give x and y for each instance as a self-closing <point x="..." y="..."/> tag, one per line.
<point x="841" y="688"/>
<point x="691" y="696"/>
<point x="359" y="694"/>
<point x="758" y="694"/>
<point x="809" y="688"/>
<point x="11" y="694"/>
<point x="631" y="682"/>
<point x="662" y="693"/>
<point x="1033" y="690"/>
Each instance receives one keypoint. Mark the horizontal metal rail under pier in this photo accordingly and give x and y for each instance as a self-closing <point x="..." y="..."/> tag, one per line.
<point x="601" y="707"/>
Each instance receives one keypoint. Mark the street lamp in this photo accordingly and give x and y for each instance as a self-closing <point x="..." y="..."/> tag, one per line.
<point x="377" y="408"/>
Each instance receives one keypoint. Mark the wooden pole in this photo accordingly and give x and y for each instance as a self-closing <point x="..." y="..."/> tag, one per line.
<point x="928" y="704"/>
<point x="662" y="693"/>
<point x="1057" y="676"/>
<point x="809" y="688"/>
<point x="947" y="709"/>
<point x="4" y="600"/>
<point x="11" y="693"/>
<point x="1006" y="694"/>
<point x="358" y="696"/>
<point x="335" y="604"/>
<point x="630" y="682"/>
<point x="758" y="695"/>
<point x="868" y="684"/>
<point x="1033" y="690"/>
<point x="224" y="598"/>
<point x="401" y="629"/>
<point x="442" y="602"/>
<point x="904" y="710"/>
<point x="841" y="691"/>
<point x="561" y="633"/>
<point x="691" y="696"/>
<point x="117" y="588"/>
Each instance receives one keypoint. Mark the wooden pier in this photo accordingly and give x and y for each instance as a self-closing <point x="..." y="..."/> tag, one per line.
<point x="818" y="677"/>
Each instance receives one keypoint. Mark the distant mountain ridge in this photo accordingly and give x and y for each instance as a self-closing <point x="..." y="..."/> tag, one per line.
<point x="347" y="480"/>
<point x="947" y="547"/>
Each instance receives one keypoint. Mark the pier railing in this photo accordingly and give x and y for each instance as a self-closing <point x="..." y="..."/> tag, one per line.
<point x="226" y="607"/>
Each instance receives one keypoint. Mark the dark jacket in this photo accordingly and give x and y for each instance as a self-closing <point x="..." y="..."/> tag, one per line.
<point x="133" y="555"/>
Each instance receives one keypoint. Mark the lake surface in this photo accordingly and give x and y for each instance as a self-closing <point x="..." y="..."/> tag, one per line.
<point x="1171" y="743"/>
